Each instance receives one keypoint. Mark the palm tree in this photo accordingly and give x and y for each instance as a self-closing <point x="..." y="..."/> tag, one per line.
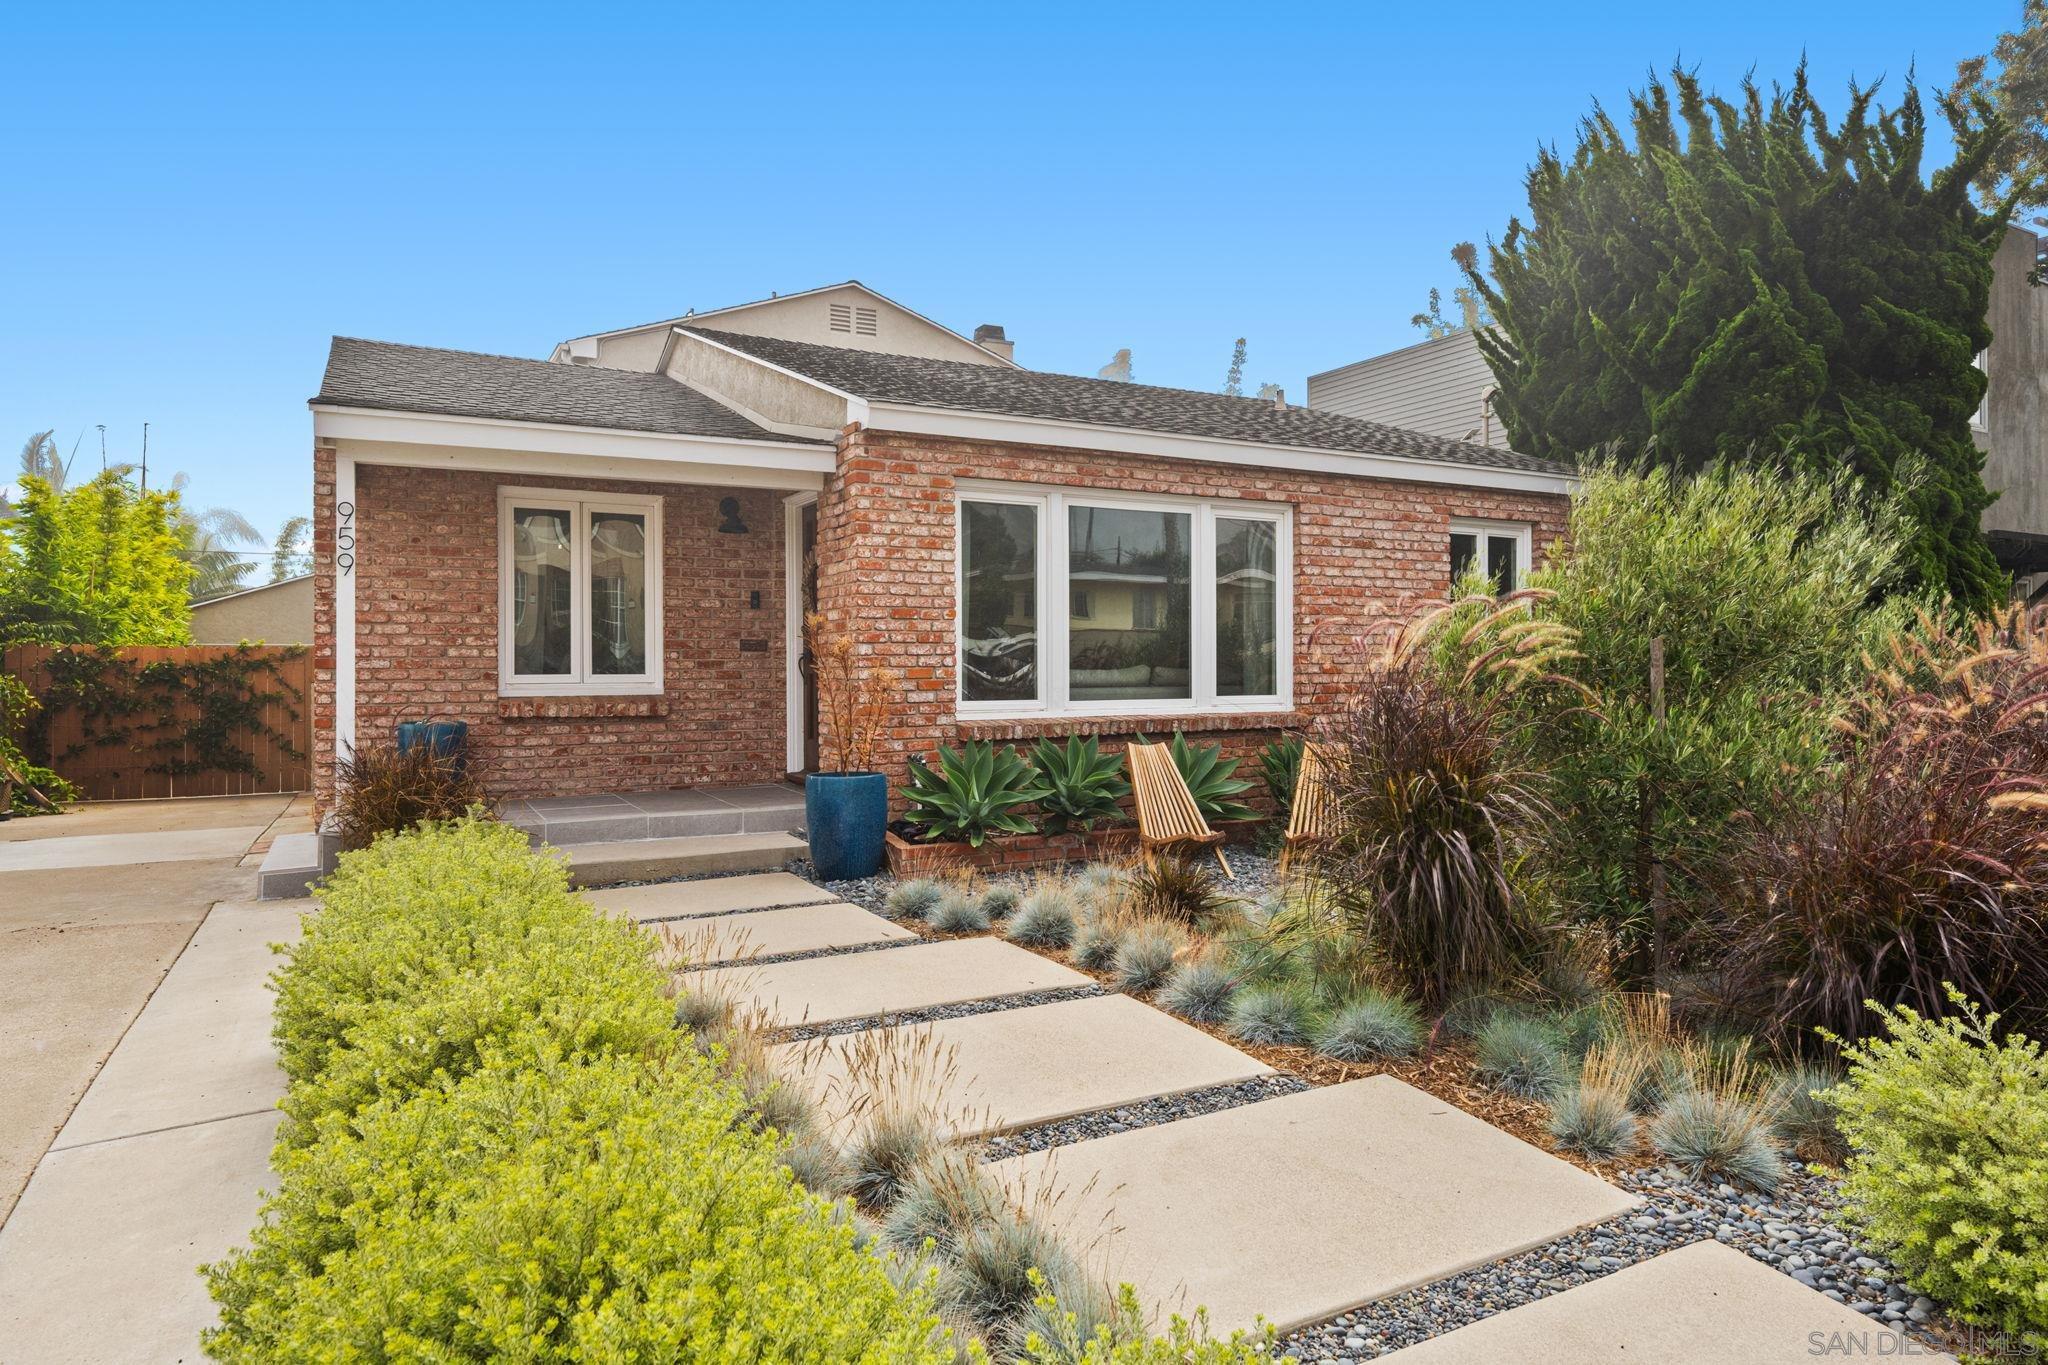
<point x="209" y="534"/>
<point x="39" y="459"/>
<point x="292" y="556"/>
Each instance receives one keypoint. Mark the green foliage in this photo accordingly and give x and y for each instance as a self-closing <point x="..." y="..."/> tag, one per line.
<point x="1079" y="783"/>
<point x="96" y="564"/>
<point x="1208" y="775"/>
<point x="1117" y="1342"/>
<point x="974" y="793"/>
<point x="1719" y="1136"/>
<point x="1593" y="1121"/>
<point x="2013" y="80"/>
<point x="1369" y="1026"/>
<point x="1729" y="281"/>
<point x="498" y="1148"/>
<point x="1097" y="941"/>
<point x="1806" y="1116"/>
<point x="999" y="900"/>
<point x="1171" y="886"/>
<point x="1521" y="1055"/>
<point x="1280" y="766"/>
<point x="884" y="1156"/>
<point x="958" y="913"/>
<point x="1949" y="1129"/>
<point x="1145" y="957"/>
<point x="1759" y="585"/>
<point x="432" y="946"/>
<point x="1268" y="1015"/>
<point x="17" y="705"/>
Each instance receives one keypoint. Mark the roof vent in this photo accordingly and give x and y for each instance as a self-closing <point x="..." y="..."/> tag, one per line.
<point x="990" y="337"/>
<point x="863" y="322"/>
<point x="839" y="317"/>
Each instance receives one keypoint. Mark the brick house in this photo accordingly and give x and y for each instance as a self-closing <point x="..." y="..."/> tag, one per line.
<point x="597" y="560"/>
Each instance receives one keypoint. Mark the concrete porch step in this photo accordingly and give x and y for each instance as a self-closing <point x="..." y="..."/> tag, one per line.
<point x="647" y="860"/>
<point x="612" y="817"/>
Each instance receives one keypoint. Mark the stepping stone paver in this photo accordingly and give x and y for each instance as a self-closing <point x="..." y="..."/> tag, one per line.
<point x="707" y="939"/>
<point x="710" y="896"/>
<point x="823" y="990"/>
<point x="1023" y="1067"/>
<point x="646" y="860"/>
<point x="1300" y="1208"/>
<point x="1705" y="1304"/>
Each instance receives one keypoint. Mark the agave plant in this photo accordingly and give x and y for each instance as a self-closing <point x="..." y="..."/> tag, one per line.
<point x="1280" y="765"/>
<point x="1079" y="783"/>
<point x="1208" y="775"/>
<point x="974" y="793"/>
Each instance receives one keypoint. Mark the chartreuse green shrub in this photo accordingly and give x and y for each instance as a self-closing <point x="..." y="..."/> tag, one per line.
<point x="432" y="944"/>
<point x="1948" y="1126"/>
<point x="549" y="1209"/>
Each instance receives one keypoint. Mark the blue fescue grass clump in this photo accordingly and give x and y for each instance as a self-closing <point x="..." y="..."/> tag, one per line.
<point x="1711" y="1135"/>
<point x="1519" y="1054"/>
<point x="1269" y="1015"/>
<point x="1369" y="1026"/>
<point x="1594" y="1121"/>
<point x="999" y="900"/>
<point x="957" y="913"/>
<point x="1045" y="918"/>
<point x="913" y="899"/>
<point x="1096" y="943"/>
<point x="1201" y="990"/>
<point x="1145" y="958"/>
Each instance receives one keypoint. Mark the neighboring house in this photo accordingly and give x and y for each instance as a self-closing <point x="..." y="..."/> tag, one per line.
<point x="275" y="614"/>
<point x="1444" y="388"/>
<point x="598" y="562"/>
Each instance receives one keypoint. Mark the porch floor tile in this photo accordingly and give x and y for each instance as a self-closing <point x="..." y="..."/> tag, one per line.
<point x="1302" y="1207"/>
<point x="823" y="990"/>
<point x="1022" y="1067"/>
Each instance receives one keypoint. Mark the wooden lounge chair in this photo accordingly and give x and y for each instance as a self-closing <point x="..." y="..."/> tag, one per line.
<point x="1167" y="813"/>
<point x="1312" y="819"/>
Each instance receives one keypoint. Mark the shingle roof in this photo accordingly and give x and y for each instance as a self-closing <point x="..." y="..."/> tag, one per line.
<point x="383" y="374"/>
<point x="968" y="387"/>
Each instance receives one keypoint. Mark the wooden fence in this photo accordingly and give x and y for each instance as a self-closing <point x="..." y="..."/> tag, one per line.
<point x="279" y="743"/>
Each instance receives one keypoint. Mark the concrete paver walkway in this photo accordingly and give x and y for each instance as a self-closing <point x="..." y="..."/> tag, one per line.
<point x="1301" y="1207"/>
<point x="824" y="990"/>
<point x="1040" y="1064"/>
<point x="1705" y="1304"/>
<point x="708" y="896"/>
<point x="711" y="939"/>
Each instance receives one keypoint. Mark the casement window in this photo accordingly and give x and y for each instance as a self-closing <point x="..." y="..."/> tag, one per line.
<point x="579" y="593"/>
<point x="1172" y="605"/>
<point x="1497" y="549"/>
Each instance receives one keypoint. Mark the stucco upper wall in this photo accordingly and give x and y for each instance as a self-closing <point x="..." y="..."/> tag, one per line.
<point x="275" y="614"/>
<point x="804" y="317"/>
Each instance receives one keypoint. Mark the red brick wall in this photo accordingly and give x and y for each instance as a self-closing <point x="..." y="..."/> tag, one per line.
<point x="427" y="638"/>
<point x="886" y="544"/>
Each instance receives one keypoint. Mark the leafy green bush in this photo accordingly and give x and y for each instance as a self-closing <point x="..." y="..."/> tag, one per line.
<point x="1079" y="783"/>
<point x="974" y="794"/>
<point x="1065" y="1341"/>
<point x="17" y="704"/>
<point x="430" y="946"/>
<point x="499" y="1147"/>
<point x="1948" y="1127"/>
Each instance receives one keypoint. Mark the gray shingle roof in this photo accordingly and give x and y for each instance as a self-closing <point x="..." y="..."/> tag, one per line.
<point x="968" y="387"/>
<point x="383" y="374"/>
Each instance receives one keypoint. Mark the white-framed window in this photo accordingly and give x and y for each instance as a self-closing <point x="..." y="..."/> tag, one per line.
<point x="579" y="593"/>
<point x="1171" y="605"/>
<point x="1498" y="549"/>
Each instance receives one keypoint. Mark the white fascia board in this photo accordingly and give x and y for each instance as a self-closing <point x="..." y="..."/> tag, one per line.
<point x="432" y="441"/>
<point x="974" y="426"/>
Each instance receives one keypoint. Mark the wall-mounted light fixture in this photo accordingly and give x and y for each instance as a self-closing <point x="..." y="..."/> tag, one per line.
<point x="729" y="514"/>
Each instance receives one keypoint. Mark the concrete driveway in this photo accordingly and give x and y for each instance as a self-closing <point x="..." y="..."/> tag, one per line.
<point x="95" y="905"/>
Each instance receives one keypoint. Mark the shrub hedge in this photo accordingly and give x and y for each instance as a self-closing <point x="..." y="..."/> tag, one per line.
<point x="498" y="1147"/>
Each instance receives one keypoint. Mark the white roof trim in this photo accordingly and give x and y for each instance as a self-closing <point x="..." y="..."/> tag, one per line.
<point x="975" y="426"/>
<point x="688" y="319"/>
<point x="856" y="406"/>
<point x="432" y="440"/>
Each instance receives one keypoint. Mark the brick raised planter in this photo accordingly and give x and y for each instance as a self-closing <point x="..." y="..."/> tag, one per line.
<point x="1019" y="852"/>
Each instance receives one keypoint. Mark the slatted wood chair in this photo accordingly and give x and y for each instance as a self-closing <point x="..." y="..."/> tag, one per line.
<point x="1167" y="814"/>
<point x="1313" y="818"/>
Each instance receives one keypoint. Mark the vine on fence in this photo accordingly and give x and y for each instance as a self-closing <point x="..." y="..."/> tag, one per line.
<point x="124" y="704"/>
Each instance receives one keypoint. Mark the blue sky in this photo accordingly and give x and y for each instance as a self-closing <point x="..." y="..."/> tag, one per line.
<point x="202" y="196"/>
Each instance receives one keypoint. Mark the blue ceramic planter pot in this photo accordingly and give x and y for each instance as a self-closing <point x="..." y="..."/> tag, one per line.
<point x="847" y="815"/>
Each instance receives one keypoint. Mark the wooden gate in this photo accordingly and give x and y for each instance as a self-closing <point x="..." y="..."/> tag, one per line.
<point x="278" y="742"/>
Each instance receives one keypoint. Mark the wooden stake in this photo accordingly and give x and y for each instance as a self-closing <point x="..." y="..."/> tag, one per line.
<point x="1659" y="917"/>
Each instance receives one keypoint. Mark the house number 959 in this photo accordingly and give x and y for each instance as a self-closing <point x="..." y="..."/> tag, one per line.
<point x="345" y="537"/>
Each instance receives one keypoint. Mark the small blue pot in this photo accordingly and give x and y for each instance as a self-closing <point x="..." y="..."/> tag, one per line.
<point x="847" y="816"/>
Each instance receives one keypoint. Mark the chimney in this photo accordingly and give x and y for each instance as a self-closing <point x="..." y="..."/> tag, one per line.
<point x="990" y="337"/>
<point x="1276" y="394"/>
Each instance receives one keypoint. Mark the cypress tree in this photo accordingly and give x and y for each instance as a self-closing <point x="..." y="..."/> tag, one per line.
<point x="1741" y="282"/>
